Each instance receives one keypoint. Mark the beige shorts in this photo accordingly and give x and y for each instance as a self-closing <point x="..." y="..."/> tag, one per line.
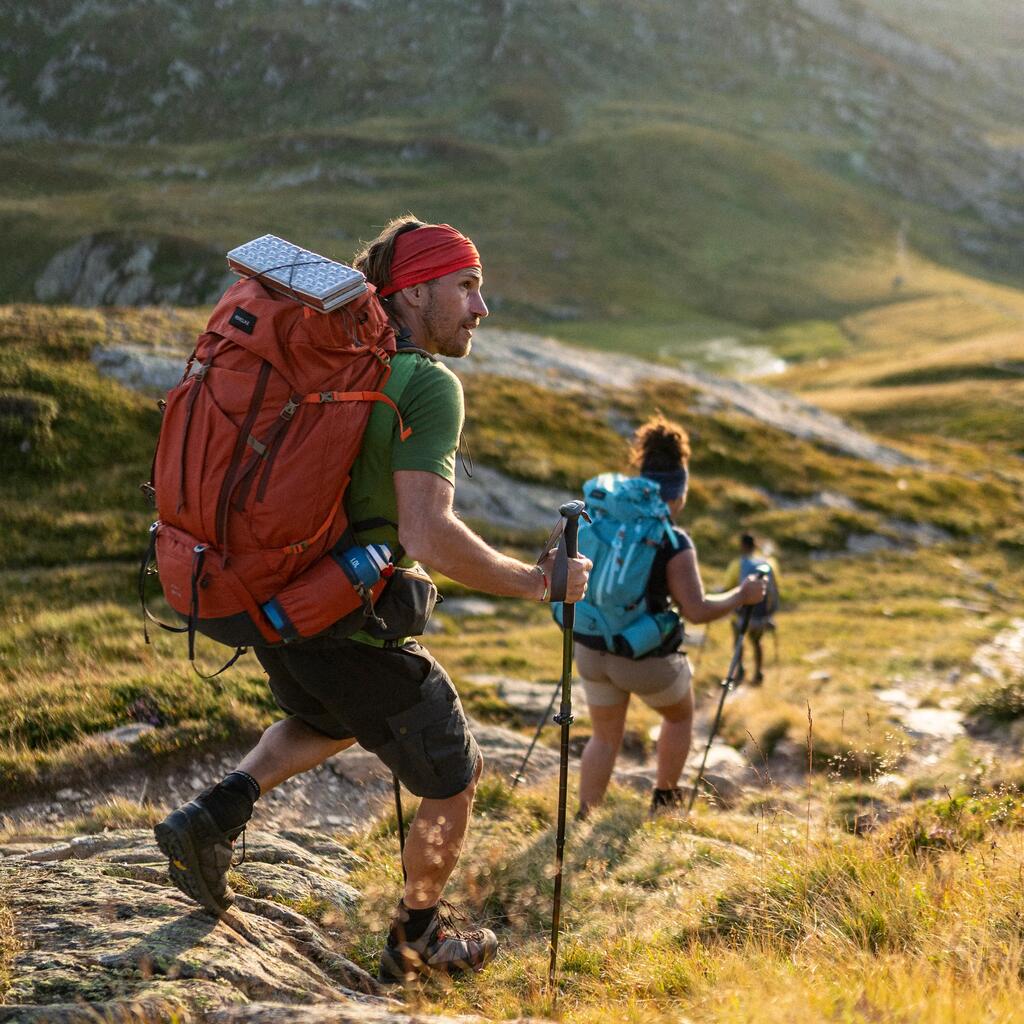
<point x="609" y="679"/>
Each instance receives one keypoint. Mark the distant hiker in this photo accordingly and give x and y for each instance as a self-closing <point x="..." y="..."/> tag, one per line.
<point x="390" y="696"/>
<point x="762" y="616"/>
<point x="627" y="636"/>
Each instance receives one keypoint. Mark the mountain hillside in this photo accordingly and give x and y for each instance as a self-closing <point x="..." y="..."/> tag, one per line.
<point x="704" y="166"/>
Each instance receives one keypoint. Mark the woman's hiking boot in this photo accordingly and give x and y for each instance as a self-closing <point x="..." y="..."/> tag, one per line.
<point x="443" y="948"/>
<point x="665" y="800"/>
<point x="199" y="855"/>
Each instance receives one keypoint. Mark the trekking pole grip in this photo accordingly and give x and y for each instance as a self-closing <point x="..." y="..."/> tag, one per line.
<point x="572" y="529"/>
<point x="571" y="512"/>
<point x="568" y="547"/>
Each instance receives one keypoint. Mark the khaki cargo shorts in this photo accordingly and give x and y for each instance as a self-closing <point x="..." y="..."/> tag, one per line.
<point x="609" y="679"/>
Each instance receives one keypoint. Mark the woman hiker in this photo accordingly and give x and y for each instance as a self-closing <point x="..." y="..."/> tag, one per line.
<point x="612" y="667"/>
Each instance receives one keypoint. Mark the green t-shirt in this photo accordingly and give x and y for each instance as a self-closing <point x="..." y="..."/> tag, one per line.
<point x="429" y="397"/>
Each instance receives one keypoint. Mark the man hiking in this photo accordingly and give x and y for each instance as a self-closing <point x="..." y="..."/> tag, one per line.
<point x="390" y="696"/>
<point x="762" y="615"/>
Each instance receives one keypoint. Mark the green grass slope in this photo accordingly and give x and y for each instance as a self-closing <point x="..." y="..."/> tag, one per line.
<point x="73" y="523"/>
<point x="951" y="366"/>
<point x="879" y="880"/>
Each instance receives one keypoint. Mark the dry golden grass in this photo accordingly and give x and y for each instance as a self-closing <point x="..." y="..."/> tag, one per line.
<point x="734" y="917"/>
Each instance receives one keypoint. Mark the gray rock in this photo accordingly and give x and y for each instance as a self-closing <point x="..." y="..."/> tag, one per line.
<point x="503" y="501"/>
<point x="294" y="884"/>
<point x="92" y="930"/>
<point x="561" y="367"/>
<point x="119" y="269"/>
<point x="126" y="734"/>
<point x="463" y="606"/>
<point x="140" y="369"/>
<point x="934" y="723"/>
<point x="323" y="846"/>
<point x="528" y="697"/>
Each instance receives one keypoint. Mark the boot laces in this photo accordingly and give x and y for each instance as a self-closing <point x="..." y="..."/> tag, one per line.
<point x="449" y="918"/>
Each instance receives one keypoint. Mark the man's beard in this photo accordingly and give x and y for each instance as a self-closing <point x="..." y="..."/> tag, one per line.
<point x="443" y="334"/>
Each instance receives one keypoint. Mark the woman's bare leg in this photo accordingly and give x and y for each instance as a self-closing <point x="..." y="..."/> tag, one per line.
<point x="674" y="741"/>
<point x="609" y="724"/>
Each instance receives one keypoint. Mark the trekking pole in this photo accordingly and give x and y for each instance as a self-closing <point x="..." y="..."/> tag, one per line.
<point x="567" y="548"/>
<point x="518" y="777"/>
<point x="727" y="684"/>
<point x="401" y="824"/>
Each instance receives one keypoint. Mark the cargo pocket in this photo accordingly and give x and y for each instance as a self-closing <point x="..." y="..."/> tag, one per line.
<point x="436" y="752"/>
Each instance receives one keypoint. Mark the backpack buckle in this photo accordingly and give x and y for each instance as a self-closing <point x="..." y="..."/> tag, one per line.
<point x="289" y="409"/>
<point x="326" y="396"/>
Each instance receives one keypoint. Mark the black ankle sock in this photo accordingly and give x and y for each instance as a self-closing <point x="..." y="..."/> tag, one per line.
<point x="231" y="801"/>
<point x="411" y="924"/>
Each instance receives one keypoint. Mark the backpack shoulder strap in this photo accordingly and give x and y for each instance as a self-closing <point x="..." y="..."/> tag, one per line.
<point x="402" y="371"/>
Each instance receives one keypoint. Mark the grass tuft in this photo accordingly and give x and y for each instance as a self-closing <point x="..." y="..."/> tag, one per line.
<point x="997" y="702"/>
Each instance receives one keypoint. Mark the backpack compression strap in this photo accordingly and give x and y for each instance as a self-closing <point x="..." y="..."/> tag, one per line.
<point x="358" y="396"/>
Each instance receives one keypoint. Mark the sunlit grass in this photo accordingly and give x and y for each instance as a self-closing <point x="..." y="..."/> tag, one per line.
<point x="665" y="920"/>
<point x="827" y="895"/>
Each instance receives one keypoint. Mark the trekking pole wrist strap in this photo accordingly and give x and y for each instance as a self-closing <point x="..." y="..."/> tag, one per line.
<point x="560" y="572"/>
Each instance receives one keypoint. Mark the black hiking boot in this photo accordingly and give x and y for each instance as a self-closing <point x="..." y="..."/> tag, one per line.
<point x="443" y="948"/>
<point x="666" y="800"/>
<point x="200" y="855"/>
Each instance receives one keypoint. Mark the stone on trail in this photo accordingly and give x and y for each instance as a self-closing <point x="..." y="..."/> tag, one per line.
<point x="503" y="751"/>
<point x="126" y="734"/>
<point x="934" y="723"/>
<point x="285" y="881"/>
<point x="528" y="697"/>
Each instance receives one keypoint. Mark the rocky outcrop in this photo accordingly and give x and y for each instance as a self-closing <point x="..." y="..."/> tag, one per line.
<point x="101" y="934"/>
<point x="561" y="367"/>
<point x="104" y="936"/>
<point x="119" y="270"/>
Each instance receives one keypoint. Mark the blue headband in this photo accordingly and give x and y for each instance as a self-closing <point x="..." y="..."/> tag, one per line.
<point x="671" y="482"/>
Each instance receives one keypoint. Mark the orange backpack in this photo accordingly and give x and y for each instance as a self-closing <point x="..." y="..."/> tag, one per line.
<point x="252" y="462"/>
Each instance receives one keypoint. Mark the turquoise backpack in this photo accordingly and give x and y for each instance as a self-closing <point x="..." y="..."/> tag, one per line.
<point x="630" y="523"/>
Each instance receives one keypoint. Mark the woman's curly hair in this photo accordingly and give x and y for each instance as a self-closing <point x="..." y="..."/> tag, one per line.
<point x="659" y="445"/>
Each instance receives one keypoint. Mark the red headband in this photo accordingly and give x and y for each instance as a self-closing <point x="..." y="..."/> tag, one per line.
<point x="426" y="253"/>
